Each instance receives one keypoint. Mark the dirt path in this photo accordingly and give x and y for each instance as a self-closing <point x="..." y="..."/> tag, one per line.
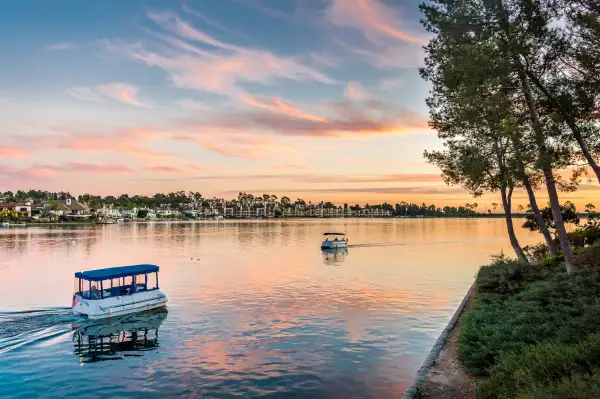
<point x="448" y="378"/>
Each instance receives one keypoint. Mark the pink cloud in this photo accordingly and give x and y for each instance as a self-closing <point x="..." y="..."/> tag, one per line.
<point x="354" y="91"/>
<point x="227" y="65"/>
<point x="165" y="169"/>
<point x="283" y="107"/>
<point x="373" y="18"/>
<point x="10" y="152"/>
<point x="351" y="119"/>
<point x="122" y="92"/>
<point x="82" y="167"/>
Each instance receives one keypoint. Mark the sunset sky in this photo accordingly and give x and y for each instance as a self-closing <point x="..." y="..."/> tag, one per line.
<point x="318" y="99"/>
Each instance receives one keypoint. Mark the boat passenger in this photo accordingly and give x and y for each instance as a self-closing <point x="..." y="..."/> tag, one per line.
<point x="335" y="239"/>
<point x="95" y="292"/>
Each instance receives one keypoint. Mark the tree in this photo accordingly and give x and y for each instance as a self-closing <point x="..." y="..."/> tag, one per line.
<point x="495" y="49"/>
<point x="142" y="213"/>
<point x="568" y="212"/>
<point x="478" y="161"/>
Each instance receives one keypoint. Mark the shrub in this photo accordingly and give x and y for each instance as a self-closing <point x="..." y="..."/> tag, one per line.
<point x="591" y="234"/>
<point x="536" y="253"/>
<point x="546" y="371"/>
<point x="588" y="258"/>
<point x="577" y="238"/>
<point x="518" y="306"/>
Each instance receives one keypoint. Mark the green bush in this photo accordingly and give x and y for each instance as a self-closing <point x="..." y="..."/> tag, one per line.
<point x="517" y="306"/>
<point x="577" y="238"/>
<point x="591" y="234"/>
<point x="588" y="258"/>
<point x="547" y="371"/>
<point x="537" y="253"/>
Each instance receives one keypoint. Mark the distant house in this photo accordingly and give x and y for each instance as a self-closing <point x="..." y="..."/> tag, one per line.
<point x="129" y="213"/>
<point x="190" y="212"/>
<point x="70" y="209"/>
<point x="21" y="208"/>
<point x="108" y="212"/>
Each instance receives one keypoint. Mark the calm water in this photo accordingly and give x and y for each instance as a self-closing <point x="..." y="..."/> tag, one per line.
<point x="255" y="308"/>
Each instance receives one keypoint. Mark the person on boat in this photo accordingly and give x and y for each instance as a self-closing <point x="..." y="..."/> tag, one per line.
<point x="335" y="239"/>
<point x="95" y="292"/>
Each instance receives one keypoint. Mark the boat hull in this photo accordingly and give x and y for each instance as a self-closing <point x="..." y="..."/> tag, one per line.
<point x="119" y="305"/>
<point x="334" y="244"/>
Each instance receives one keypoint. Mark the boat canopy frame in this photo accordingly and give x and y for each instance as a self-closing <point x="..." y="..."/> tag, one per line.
<point x="104" y="279"/>
<point x="116" y="272"/>
<point x="334" y="234"/>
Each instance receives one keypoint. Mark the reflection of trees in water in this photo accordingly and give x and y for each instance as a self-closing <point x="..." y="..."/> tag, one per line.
<point x="115" y="340"/>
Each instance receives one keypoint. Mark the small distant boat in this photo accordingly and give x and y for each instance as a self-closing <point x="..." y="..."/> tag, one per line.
<point x="117" y="291"/>
<point x="334" y="240"/>
<point x="107" y="221"/>
<point x="4" y="224"/>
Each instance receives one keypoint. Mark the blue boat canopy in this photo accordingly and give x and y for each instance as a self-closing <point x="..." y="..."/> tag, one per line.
<point x="334" y="234"/>
<point x="116" y="272"/>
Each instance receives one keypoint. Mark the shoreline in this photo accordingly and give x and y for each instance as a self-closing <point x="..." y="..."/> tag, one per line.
<point x="441" y="372"/>
<point x="87" y="223"/>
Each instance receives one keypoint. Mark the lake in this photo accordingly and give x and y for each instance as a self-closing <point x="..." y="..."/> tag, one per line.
<point x="255" y="308"/>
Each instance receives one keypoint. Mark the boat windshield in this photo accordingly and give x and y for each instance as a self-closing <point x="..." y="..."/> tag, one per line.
<point x="118" y="286"/>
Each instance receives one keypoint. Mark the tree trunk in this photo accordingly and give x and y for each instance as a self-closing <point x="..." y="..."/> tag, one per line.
<point x="532" y="201"/>
<point x="585" y="150"/>
<point x="538" y="217"/>
<point x="546" y="168"/>
<point x="506" y="204"/>
<point x="572" y="125"/>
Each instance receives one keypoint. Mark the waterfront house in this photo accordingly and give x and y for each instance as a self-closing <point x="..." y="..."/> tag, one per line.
<point x="190" y="212"/>
<point x="108" y="212"/>
<point x="129" y="213"/>
<point x="22" y="209"/>
<point x="70" y="208"/>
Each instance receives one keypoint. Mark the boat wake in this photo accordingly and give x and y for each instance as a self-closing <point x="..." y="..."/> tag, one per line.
<point x="18" y="329"/>
<point x="398" y="244"/>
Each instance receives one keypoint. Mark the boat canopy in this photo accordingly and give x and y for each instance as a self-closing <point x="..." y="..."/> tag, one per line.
<point x="116" y="272"/>
<point x="334" y="234"/>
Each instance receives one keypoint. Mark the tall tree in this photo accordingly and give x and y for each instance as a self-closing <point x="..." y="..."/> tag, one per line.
<point x="479" y="47"/>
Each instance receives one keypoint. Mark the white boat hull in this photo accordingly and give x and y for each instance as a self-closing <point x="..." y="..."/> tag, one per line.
<point x="119" y="305"/>
<point x="334" y="244"/>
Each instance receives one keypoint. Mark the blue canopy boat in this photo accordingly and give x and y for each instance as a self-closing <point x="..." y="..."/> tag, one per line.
<point x="334" y="241"/>
<point x="117" y="291"/>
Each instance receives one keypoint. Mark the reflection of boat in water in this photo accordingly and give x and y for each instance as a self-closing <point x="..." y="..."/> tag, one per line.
<point x="118" y="338"/>
<point x="334" y="255"/>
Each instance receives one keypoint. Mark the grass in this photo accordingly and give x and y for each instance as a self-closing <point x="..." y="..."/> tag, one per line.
<point x="534" y="330"/>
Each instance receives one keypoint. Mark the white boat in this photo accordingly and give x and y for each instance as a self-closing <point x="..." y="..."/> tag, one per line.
<point x="4" y="224"/>
<point x="117" y="291"/>
<point x="334" y="240"/>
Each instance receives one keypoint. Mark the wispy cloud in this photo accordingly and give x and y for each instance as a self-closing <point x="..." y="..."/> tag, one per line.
<point x="283" y="107"/>
<point x="122" y="92"/>
<point x="165" y="169"/>
<point x="10" y="152"/>
<point x="39" y="172"/>
<point x="354" y="91"/>
<point x="210" y="64"/>
<point x="191" y="105"/>
<point x="61" y="46"/>
<point x="84" y="167"/>
<point x="373" y="18"/>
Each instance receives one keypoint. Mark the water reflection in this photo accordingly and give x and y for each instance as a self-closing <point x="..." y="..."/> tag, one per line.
<point x="334" y="256"/>
<point x="116" y="339"/>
